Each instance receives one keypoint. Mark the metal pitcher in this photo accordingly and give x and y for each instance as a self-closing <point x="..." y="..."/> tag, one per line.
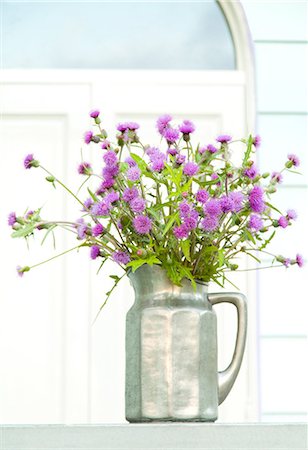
<point x="171" y="350"/>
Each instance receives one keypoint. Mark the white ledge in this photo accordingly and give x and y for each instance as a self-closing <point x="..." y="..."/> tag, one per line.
<point x="154" y="437"/>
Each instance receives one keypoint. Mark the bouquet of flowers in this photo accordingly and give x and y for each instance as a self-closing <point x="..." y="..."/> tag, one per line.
<point x="187" y="208"/>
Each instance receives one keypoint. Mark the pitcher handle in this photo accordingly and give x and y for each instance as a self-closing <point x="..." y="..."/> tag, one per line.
<point x="227" y="377"/>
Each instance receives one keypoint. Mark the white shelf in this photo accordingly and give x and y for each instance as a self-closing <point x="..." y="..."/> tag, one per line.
<point x="154" y="437"/>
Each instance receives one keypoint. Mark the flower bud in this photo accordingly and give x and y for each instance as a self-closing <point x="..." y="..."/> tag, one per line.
<point x="289" y="164"/>
<point x="141" y="253"/>
<point x="271" y="189"/>
<point x="50" y="178"/>
<point x="97" y="120"/>
<point x="96" y="139"/>
<point x="265" y="175"/>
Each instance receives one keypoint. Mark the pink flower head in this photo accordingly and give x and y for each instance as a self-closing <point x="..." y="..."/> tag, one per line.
<point x="87" y="204"/>
<point x="294" y="160"/>
<point x="133" y="126"/>
<point x="84" y="168"/>
<point x="212" y="207"/>
<point x="121" y="257"/>
<point x="172" y="151"/>
<point x="180" y="159"/>
<point x="202" y="150"/>
<point x="291" y="214"/>
<point x="101" y="208"/>
<point x="142" y="224"/>
<point x="202" y="196"/>
<point x="226" y="204"/>
<point x="283" y="222"/>
<point x="171" y="135"/>
<point x="107" y="183"/>
<point x="256" y="199"/>
<point x="130" y="161"/>
<point x="210" y="148"/>
<point x="237" y="199"/>
<point x="129" y="194"/>
<point x="112" y="197"/>
<point x="94" y="113"/>
<point x="187" y="127"/>
<point x="224" y="138"/>
<point x="163" y="122"/>
<point x="191" y="222"/>
<point x="255" y="223"/>
<point x="214" y="176"/>
<point x="94" y="251"/>
<point x="88" y="137"/>
<point x="110" y="171"/>
<point x="251" y="172"/>
<point x="138" y="205"/>
<point x="210" y="223"/>
<point x="105" y="144"/>
<point x="11" y="219"/>
<point x="110" y="158"/>
<point x="133" y="173"/>
<point x="29" y="161"/>
<point x="181" y="231"/>
<point x="98" y="229"/>
<point x="256" y="141"/>
<point x="185" y="209"/>
<point x="190" y="169"/>
<point x="299" y="260"/>
<point x="277" y="177"/>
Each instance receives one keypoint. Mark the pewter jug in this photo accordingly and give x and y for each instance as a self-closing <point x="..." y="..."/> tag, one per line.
<point x="171" y="350"/>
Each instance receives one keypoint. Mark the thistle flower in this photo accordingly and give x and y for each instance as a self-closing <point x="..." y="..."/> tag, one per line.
<point x="171" y="135"/>
<point x="256" y="141"/>
<point x="81" y="228"/>
<point x="172" y="151"/>
<point x="226" y="204"/>
<point x="22" y="270"/>
<point x="112" y="197"/>
<point x="210" y="223"/>
<point x="212" y="207"/>
<point x="29" y="162"/>
<point x="291" y="214"/>
<point x="94" y="113"/>
<point x="138" y="205"/>
<point x="180" y="159"/>
<point x="105" y="144"/>
<point x="181" y="231"/>
<point x="110" y="171"/>
<point x="251" y="172"/>
<point x="98" y="229"/>
<point x="256" y="199"/>
<point x="110" y="158"/>
<point x="187" y="127"/>
<point x="94" y="251"/>
<point x="190" y="169"/>
<point x="130" y="161"/>
<point x="142" y="224"/>
<point x="185" y="209"/>
<point x="283" y="222"/>
<point x="224" y="138"/>
<point x="255" y="222"/>
<point x="101" y="209"/>
<point x="210" y="148"/>
<point x="121" y="257"/>
<point x="237" y="199"/>
<point x="85" y="168"/>
<point x="276" y="177"/>
<point x="129" y="194"/>
<point x="88" y="136"/>
<point x="202" y="196"/>
<point x="11" y="219"/>
<point x="299" y="260"/>
<point x="107" y="183"/>
<point x="163" y="122"/>
<point x="294" y="160"/>
<point x="133" y="173"/>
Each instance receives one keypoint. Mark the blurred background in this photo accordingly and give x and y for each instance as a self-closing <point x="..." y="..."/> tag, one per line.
<point x="230" y="67"/>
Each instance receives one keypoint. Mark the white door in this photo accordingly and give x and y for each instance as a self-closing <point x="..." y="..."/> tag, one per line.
<point x="55" y="367"/>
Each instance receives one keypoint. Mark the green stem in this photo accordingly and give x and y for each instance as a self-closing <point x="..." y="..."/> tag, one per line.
<point x="56" y="256"/>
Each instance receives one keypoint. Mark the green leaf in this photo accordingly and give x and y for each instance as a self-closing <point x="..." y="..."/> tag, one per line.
<point x="92" y="195"/>
<point x="141" y="163"/>
<point x="273" y="207"/>
<point x="170" y="223"/>
<point x="221" y="257"/>
<point x="47" y="232"/>
<point x="263" y="246"/>
<point x="136" y="264"/>
<point x="185" y="245"/>
<point x="24" y="231"/>
<point x="248" y="150"/>
<point x="253" y="256"/>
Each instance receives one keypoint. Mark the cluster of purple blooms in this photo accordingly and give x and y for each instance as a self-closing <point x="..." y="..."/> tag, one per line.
<point x="123" y="202"/>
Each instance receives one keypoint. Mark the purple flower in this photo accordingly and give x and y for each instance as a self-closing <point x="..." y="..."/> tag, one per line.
<point x="214" y="176"/>
<point x="210" y="223"/>
<point x="187" y="127"/>
<point x="101" y="209"/>
<point x="180" y="159"/>
<point x="256" y="141"/>
<point x="224" y="138"/>
<point x="299" y="260"/>
<point x="130" y="161"/>
<point x="105" y="144"/>
<point x="287" y="262"/>
<point x="256" y="199"/>
<point x="121" y="257"/>
<point x="291" y="214"/>
<point x="11" y="219"/>
<point x="237" y="198"/>
<point x="191" y="222"/>
<point x="110" y="171"/>
<point x="142" y="224"/>
<point x="87" y="204"/>
<point x="172" y="151"/>
<point x="185" y="209"/>
<point x="29" y="161"/>
<point x="163" y="122"/>
<point x="283" y="222"/>
<point x="84" y="168"/>
<point x="94" y="113"/>
<point x="22" y="270"/>
<point x="171" y="135"/>
<point x="210" y="148"/>
<point x="107" y="183"/>
<point x="294" y="160"/>
<point x="251" y="172"/>
<point x="88" y="137"/>
<point x="181" y="232"/>
<point x="112" y="197"/>
<point x="202" y="150"/>
<point x="82" y="230"/>
<point x="202" y="196"/>
<point x="122" y="127"/>
<point x="94" y="251"/>
<point x="132" y="126"/>
<point x="133" y="173"/>
<point x="226" y="204"/>
<point x="129" y="194"/>
<point x="98" y="229"/>
<point x="158" y="165"/>
<point x="110" y="158"/>
<point x="255" y="223"/>
<point x="277" y="177"/>
<point x="138" y="205"/>
<point x="212" y="207"/>
<point x="190" y="169"/>
<point x="153" y="153"/>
